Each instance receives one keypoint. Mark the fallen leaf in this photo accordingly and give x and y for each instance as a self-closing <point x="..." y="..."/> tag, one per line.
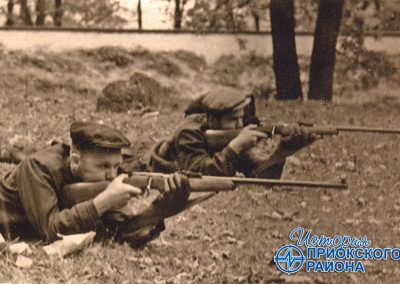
<point x="23" y="262"/>
<point x="198" y="209"/>
<point x="369" y="171"/>
<point x="20" y="248"/>
<point x="338" y="165"/>
<point x="367" y="263"/>
<point x="297" y="279"/>
<point x="147" y="261"/>
<point x="325" y="198"/>
<point x="288" y="216"/>
<point x="194" y="264"/>
<point x="215" y="255"/>
<point x="239" y="279"/>
<point x="382" y="167"/>
<point x="190" y="236"/>
<point x="353" y="278"/>
<point x="351" y="222"/>
<point x="351" y="166"/>
<point x="277" y="235"/>
<point x="70" y="244"/>
<point x="373" y="220"/>
<point x="326" y="209"/>
<point x="380" y="146"/>
<point x="361" y="201"/>
<point x="207" y="239"/>
<point x="151" y="114"/>
<point x="227" y="233"/>
<point x="275" y="216"/>
<point x="161" y="242"/>
<point x="231" y="240"/>
<point x="293" y="161"/>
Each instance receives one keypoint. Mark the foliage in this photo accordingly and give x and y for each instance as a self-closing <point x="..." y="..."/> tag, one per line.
<point x="225" y="15"/>
<point x="389" y="15"/>
<point x="365" y="71"/>
<point x="305" y="15"/>
<point x="257" y="77"/>
<point x="93" y="14"/>
<point x="365" y="68"/>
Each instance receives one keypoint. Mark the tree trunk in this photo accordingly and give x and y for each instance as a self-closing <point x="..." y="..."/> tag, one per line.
<point x="139" y="11"/>
<point x="58" y="12"/>
<point x="213" y="20"/>
<point x="41" y="12"/>
<point x="178" y="15"/>
<point x="286" y="67"/>
<point x="10" y="17"/>
<point x="25" y="13"/>
<point x="256" y="18"/>
<point x="231" y="23"/>
<point x="324" y="49"/>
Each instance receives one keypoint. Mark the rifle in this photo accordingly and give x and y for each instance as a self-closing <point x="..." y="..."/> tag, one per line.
<point x="79" y="192"/>
<point x="221" y="138"/>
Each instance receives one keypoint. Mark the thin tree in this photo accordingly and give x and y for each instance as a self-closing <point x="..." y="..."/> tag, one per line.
<point x="324" y="49"/>
<point x="40" y="12"/>
<point x="179" y="8"/>
<point x="139" y="11"/>
<point x="286" y="67"/>
<point x="256" y="18"/>
<point x="10" y="16"/>
<point x="25" y="13"/>
<point x="58" y="12"/>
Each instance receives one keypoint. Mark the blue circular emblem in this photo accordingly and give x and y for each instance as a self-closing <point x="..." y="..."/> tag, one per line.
<point x="289" y="259"/>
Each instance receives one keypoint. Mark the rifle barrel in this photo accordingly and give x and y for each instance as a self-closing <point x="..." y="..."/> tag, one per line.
<point x="367" y="129"/>
<point x="282" y="182"/>
<point x="261" y="181"/>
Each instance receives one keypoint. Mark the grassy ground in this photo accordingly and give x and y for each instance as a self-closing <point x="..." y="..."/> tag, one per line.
<point x="232" y="237"/>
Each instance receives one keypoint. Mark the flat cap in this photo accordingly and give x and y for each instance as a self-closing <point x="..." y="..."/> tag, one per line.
<point x="95" y="135"/>
<point x="224" y="99"/>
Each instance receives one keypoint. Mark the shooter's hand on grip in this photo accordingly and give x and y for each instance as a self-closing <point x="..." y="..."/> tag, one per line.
<point x="116" y="195"/>
<point x="247" y="138"/>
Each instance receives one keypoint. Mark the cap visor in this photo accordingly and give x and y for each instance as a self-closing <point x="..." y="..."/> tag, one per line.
<point x="242" y="104"/>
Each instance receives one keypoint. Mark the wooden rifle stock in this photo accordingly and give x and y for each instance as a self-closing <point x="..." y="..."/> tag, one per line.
<point x="79" y="192"/>
<point x="220" y="138"/>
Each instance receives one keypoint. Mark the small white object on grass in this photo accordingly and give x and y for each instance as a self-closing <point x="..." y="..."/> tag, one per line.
<point x="70" y="244"/>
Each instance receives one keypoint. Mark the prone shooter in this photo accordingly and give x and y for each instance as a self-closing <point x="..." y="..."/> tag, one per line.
<point x="223" y="109"/>
<point x="220" y="130"/>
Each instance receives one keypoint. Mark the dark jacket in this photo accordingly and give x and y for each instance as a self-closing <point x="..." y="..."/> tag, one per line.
<point x="29" y="198"/>
<point x="187" y="149"/>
